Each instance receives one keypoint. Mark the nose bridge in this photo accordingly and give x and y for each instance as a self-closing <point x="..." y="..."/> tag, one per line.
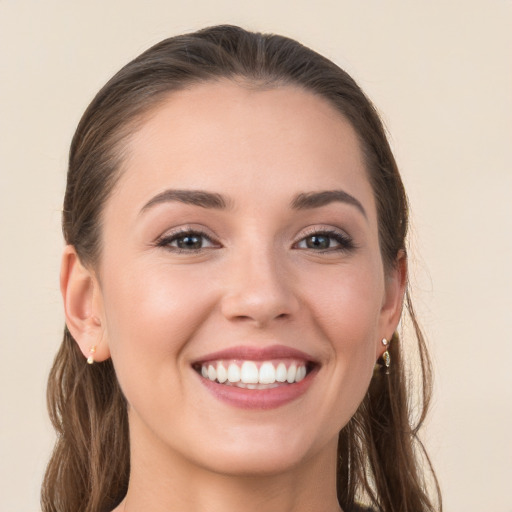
<point x="259" y="287"/>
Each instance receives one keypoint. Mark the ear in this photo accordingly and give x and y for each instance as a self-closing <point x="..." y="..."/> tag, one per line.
<point x="83" y="306"/>
<point x="391" y="311"/>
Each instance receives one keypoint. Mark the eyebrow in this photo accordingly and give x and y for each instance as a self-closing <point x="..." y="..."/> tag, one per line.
<point x="309" y="200"/>
<point x="194" y="197"/>
<point x="213" y="200"/>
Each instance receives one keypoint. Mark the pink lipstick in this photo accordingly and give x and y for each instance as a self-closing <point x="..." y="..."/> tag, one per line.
<point x="256" y="377"/>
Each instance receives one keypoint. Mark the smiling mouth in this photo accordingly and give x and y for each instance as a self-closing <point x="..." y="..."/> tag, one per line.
<point x="248" y="374"/>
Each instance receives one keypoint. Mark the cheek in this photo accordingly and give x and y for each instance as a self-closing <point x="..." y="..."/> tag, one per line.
<point x="152" y="310"/>
<point x="344" y="305"/>
<point x="346" y="311"/>
<point x="151" y="314"/>
<point x="348" y="304"/>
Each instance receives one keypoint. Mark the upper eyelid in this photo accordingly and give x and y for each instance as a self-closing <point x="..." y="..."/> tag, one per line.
<point x="168" y="237"/>
<point x="186" y="230"/>
<point x="335" y="235"/>
<point x="322" y="229"/>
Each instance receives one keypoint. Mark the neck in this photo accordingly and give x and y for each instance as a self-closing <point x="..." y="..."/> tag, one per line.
<point x="162" y="482"/>
<point x="226" y="494"/>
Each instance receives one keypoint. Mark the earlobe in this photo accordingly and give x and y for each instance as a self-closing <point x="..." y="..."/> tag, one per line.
<point x="396" y="283"/>
<point x="83" y="306"/>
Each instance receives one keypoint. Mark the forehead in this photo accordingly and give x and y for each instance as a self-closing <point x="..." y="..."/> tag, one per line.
<point x="233" y="139"/>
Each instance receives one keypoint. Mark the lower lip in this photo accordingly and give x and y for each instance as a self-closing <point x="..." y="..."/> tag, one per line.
<point x="258" y="398"/>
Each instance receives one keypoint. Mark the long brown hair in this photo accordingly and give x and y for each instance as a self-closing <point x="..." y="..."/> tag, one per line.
<point x="380" y="459"/>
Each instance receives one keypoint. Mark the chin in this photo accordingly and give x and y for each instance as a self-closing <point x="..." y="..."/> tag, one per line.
<point x="264" y="453"/>
<point x="254" y="463"/>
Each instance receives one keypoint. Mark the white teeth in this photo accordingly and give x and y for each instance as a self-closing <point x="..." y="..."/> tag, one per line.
<point x="222" y="374"/>
<point x="292" y="372"/>
<point x="233" y="373"/>
<point x="267" y="374"/>
<point x="249" y="373"/>
<point x="301" y="373"/>
<point x="212" y="373"/>
<point x="249" y="376"/>
<point x="281" y="372"/>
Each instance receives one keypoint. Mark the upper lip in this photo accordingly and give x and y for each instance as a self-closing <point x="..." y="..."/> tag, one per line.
<point x="252" y="353"/>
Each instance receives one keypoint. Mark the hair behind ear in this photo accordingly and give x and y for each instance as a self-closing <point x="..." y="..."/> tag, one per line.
<point x="90" y="464"/>
<point x="379" y="448"/>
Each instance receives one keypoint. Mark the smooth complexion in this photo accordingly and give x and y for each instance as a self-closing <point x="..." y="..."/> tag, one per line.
<point x="249" y="268"/>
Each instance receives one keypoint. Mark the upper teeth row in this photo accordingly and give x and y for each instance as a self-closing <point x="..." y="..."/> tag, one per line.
<point x="248" y="372"/>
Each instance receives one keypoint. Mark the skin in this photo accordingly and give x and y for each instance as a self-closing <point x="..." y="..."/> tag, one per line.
<point x="255" y="281"/>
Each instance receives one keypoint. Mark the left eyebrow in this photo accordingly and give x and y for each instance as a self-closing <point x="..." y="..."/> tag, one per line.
<point x="308" y="200"/>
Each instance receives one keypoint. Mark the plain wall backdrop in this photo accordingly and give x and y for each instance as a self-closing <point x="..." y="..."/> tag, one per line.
<point x="440" y="72"/>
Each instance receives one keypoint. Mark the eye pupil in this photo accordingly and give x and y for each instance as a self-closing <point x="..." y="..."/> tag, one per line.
<point x="318" y="242"/>
<point x="190" y="242"/>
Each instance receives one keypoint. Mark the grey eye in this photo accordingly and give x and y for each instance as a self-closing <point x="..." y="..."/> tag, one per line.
<point x="326" y="241"/>
<point x="318" y="242"/>
<point x="189" y="242"/>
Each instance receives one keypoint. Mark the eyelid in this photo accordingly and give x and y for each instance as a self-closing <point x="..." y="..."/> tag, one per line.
<point x="169" y="236"/>
<point x="344" y="240"/>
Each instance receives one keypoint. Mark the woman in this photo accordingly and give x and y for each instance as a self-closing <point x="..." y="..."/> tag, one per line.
<point x="235" y="267"/>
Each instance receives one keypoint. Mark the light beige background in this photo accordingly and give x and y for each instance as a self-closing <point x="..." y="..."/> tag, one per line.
<point x="440" y="73"/>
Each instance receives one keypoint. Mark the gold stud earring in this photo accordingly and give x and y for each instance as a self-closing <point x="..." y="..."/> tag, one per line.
<point x="386" y="357"/>
<point x="92" y="351"/>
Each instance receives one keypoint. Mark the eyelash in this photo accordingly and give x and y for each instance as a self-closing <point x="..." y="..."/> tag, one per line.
<point x="345" y="242"/>
<point x="166" y="240"/>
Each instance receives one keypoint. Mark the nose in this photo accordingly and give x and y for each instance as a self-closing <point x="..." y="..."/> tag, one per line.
<point x="259" y="290"/>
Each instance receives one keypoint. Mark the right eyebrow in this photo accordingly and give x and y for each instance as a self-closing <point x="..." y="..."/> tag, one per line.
<point x="195" y="197"/>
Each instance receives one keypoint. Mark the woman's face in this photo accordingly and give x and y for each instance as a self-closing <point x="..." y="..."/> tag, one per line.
<point x="241" y="242"/>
